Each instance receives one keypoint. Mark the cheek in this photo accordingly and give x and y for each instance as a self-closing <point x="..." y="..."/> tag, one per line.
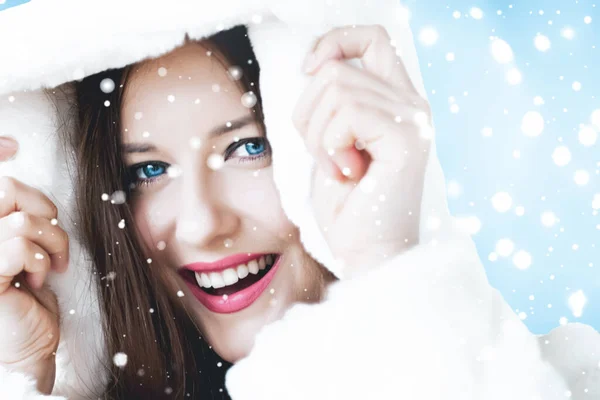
<point x="151" y="220"/>
<point x="256" y="197"/>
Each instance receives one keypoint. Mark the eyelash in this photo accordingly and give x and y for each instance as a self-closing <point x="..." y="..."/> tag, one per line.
<point x="136" y="182"/>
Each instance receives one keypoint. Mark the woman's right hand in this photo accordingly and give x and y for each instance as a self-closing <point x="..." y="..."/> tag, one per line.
<point x="31" y="244"/>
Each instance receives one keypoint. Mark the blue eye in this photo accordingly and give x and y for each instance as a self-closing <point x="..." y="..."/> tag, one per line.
<point x="146" y="173"/>
<point x="150" y="171"/>
<point x="249" y="149"/>
<point x="254" y="148"/>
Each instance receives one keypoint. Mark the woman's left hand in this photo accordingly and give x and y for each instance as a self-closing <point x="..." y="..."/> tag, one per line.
<point x="370" y="132"/>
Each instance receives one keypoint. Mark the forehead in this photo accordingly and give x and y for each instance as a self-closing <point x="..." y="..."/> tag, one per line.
<point x="186" y="90"/>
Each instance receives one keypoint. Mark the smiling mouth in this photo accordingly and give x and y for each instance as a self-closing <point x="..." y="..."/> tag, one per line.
<point x="232" y="280"/>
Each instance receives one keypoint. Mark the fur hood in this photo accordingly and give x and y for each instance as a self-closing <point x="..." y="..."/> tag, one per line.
<point x="74" y="39"/>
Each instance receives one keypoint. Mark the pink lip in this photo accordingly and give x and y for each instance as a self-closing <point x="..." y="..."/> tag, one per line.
<point x="224" y="263"/>
<point x="236" y="301"/>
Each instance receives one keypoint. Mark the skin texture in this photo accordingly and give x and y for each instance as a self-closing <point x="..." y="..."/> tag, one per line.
<point x="235" y="208"/>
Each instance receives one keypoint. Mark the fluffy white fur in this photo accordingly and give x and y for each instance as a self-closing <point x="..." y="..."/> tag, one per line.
<point x="426" y="325"/>
<point x="44" y="162"/>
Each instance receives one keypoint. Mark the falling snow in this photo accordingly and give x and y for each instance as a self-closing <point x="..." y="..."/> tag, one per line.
<point x="542" y="43"/>
<point x="428" y="36"/>
<point x="516" y="101"/>
<point x="596" y="202"/>
<point x="532" y="123"/>
<point x="505" y="247"/>
<point x="588" y="136"/>
<point x="235" y="73"/>
<point x="514" y="76"/>
<point x="118" y="197"/>
<point x="548" y="219"/>
<point x="120" y="360"/>
<point x="249" y="99"/>
<point x="502" y="202"/>
<point x="215" y="161"/>
<point x="501" y="51"/>
<point x="561" y="156"/>
<point x="107" y="85"/>
<point x="567" y="33"/>
<point x="522" y="259"/>
<point x="581" y="177"/>
<point x="577" y="302"/>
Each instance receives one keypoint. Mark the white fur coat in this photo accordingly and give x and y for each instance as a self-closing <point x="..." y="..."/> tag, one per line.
<point x="427" y="325"/>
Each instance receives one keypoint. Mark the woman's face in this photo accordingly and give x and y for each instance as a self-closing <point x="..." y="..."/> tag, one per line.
<point x="205" y="202"/>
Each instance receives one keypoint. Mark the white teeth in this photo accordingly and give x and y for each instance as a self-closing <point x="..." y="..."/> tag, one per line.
<point x="253" y="267"/>
<point x="202" y="279"/>
<point x="216" y="280"/>
<point x="230" y="276"/>
<point x="242" y="271"/>
<point x="199" y="279"/>
<point x="205" y="279"/>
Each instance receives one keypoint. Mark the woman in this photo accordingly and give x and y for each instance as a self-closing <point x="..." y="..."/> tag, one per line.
<point x="202" y="239"/>
<point x="426" y="319"/>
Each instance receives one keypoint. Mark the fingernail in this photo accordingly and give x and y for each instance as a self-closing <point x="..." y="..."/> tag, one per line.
<point x="8" y="143"/>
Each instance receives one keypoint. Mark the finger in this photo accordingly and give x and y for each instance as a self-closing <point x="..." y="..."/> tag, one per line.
<point x="20" y="254"/>
<point x="41" y="231"/>
<point x="328" y="165"/>
<point x="334" y="98"/>
<point x="16" y="196"/>
<point x="371" y="43"/>
<point x="8" y="148"/>
<point x="352" y="163"/>
<point x="377" y="132"/>
<point x="339" y="74"/>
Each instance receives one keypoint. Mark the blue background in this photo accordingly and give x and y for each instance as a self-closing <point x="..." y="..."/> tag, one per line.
<point x="12" y="3"/>
<point x="483" y="166"/>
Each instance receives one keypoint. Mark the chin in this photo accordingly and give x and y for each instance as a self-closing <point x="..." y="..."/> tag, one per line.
<point x="234" y="352"/>
<point x="232" y="336"/>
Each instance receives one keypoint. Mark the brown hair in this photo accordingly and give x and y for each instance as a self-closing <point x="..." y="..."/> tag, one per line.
<point x="167" y="358"/>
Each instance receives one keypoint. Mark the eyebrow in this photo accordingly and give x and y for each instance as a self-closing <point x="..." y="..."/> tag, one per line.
<point x="230" y="126"/>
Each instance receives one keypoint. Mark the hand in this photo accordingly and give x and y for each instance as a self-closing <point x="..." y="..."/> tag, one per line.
<point x="369" y="131"/>
<point x="31" y="244"/>
<point x="8" y="148"/>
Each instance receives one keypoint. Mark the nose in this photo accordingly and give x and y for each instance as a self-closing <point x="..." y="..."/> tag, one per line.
<point x="203" y="219"/>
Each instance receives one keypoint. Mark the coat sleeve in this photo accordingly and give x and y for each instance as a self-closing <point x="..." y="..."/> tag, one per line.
<point x="425" y="325"/>
<point x="79" y="371"/>
<point x="14" y="385"/>
<point x="574" y="351"/>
